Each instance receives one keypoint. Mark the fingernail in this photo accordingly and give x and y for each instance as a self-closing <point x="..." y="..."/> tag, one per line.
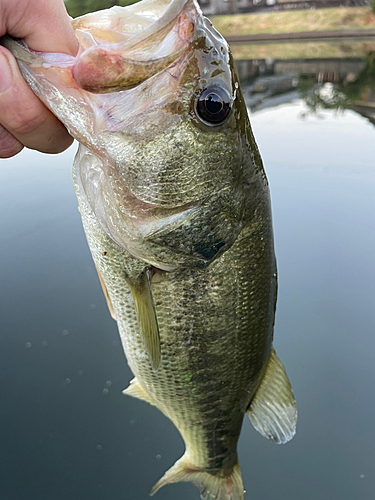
<point x="5" y="73"/>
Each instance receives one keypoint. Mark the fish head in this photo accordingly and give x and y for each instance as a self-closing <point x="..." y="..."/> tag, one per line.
<point x="154" y="99"/>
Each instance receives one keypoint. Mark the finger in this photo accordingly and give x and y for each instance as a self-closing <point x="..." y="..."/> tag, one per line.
<point x="24" y="115"/>
<point x="43" y="24"/>
<point x="9" y="145"/>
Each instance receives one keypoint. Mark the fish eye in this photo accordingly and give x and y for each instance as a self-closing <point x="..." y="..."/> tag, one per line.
<point x="214" y="105"/>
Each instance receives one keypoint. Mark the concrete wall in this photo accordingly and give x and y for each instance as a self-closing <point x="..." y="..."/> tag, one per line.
<point x="212" y="7"/>
<point x="215" y="7"/>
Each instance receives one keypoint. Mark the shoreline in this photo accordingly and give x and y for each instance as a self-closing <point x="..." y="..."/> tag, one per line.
<point x="303" y="36"/>
<point x="303" y="25"/>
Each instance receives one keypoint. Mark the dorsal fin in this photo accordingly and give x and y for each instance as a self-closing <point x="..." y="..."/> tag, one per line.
<point x="273" y="410"/>
<point x="148" y="323"/>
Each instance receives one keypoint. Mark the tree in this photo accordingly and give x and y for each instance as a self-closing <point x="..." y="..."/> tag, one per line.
<point x="77" y="8"/>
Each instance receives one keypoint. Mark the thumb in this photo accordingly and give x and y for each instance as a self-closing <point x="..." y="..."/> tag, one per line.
<point x="43" y="24"/>
<point x="24" y="120"/>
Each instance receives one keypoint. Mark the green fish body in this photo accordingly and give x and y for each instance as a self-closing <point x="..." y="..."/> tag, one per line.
<point x="176" y="209"/>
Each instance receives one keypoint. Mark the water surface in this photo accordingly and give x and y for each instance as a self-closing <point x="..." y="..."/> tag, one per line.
<point x="67" y="432"/>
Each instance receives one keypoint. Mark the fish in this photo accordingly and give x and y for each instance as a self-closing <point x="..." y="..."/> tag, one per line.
<point x="176" y="209"/>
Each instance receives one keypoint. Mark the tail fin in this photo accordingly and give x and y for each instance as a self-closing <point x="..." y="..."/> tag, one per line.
<point x="225" y="484"/>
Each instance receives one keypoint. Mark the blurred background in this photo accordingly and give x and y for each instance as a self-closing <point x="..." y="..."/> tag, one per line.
<point x="307" y="71"/>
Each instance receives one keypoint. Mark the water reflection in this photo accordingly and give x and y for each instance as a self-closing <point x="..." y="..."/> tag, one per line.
<point x="322" y="83"/>
<point x="351" y="89"/>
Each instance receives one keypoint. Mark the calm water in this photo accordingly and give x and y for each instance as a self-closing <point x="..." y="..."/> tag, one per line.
<point x="67" y="432"/>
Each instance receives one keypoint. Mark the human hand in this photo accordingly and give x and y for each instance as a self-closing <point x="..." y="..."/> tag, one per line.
<point x="24" y="120"/>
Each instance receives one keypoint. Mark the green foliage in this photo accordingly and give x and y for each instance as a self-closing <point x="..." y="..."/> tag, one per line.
<point x="77" y="8"/>
<point x="372" y="5"/>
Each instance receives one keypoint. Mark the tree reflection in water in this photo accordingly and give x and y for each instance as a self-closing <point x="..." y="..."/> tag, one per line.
<point x="352" y="92"/>
<point x="328" y="82"/>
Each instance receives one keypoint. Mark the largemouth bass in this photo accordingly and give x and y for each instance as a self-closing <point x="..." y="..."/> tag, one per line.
<point x="176" y="209"/>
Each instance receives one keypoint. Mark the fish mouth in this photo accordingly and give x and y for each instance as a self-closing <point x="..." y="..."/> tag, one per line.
<point x="167" y="31"/>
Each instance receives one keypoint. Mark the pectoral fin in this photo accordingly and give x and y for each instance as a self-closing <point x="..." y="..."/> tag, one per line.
<point x="273" y="410"/>
<point x="106" y="295"/>
<point x="148" y="323"/>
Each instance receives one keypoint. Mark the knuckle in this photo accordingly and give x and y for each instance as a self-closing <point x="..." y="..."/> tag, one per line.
<point x="26" y="121"/>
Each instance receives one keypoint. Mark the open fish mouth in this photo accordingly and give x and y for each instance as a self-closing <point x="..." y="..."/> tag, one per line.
<point x="121" y="48"/>
<point x="151" y="37"/>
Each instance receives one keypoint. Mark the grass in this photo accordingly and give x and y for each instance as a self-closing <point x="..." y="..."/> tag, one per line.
<point x="315" y="50"/>
<point x="294" y="21"/>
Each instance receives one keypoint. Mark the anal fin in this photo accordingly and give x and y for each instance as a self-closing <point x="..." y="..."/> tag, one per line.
<point x="135" y="390"/>
<point x="273" y="410"/>
<point x="148" y="323"/>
